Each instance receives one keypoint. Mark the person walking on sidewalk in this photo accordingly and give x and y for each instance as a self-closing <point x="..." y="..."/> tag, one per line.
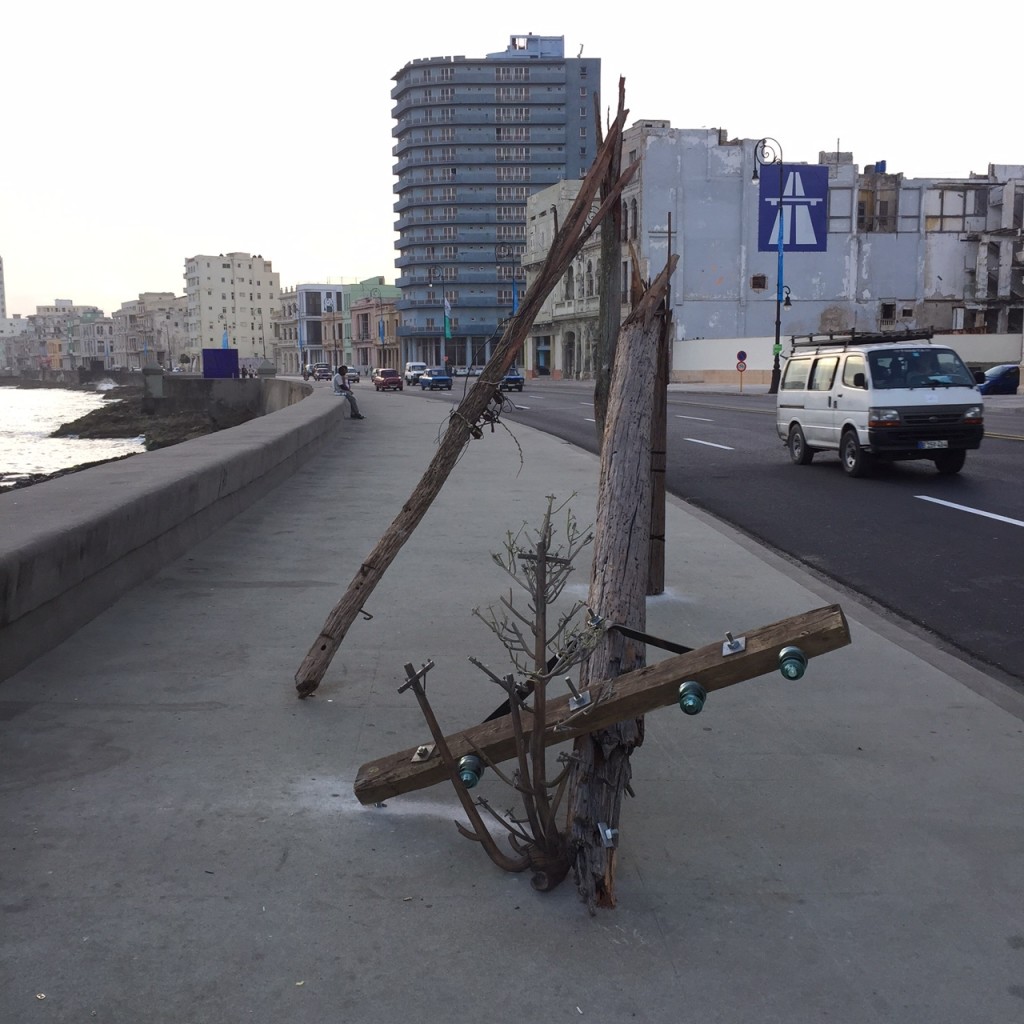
<point x="342" y="387"/>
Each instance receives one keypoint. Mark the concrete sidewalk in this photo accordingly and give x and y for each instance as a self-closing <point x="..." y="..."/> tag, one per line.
<point x="181" y="842"/>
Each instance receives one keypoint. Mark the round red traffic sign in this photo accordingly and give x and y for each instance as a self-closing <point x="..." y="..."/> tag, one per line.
<point x="741" y="366"/>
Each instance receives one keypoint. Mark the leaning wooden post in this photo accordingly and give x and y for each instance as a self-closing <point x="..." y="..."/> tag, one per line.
<point x="618" y="589"/>
<point x="580" y="223"/>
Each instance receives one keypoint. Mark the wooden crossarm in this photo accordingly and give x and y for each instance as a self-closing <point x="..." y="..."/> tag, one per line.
<point x="614" y="700"/>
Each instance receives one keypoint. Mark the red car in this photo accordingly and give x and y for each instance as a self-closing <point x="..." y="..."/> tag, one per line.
<point x="387" y="380"/>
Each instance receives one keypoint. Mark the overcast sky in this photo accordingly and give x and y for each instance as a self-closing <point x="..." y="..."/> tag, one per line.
<point x="137" y="135"/>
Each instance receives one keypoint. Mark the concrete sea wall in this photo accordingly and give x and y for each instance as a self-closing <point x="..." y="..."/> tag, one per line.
<point x="172" y="392"/>
<point x="71" y="546"/>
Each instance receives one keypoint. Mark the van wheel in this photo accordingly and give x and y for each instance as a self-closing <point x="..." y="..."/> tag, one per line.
<point x="798" y="450"/>
<point x="856" y="461"/>
<point x="952" y="462"/>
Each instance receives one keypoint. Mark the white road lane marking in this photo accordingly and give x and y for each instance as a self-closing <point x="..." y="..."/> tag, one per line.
<point x="703" y="419"/>
<point x="973" y="511"/>
<point x="710" y="444"/>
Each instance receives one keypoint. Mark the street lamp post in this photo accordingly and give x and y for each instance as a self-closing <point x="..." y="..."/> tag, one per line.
<point x="263" y="333"/>
<point x="768" y="151"/>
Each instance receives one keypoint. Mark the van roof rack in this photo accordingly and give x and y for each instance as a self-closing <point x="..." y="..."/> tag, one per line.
<point x="848" y="338"/>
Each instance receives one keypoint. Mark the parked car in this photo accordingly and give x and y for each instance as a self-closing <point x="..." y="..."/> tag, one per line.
<point x="387" y="380"/>
<point x="435" y="379"/>
<point x="512" y="381"/>
<point x="413" y="371"/>
<point x="1001" y="380"/>
<point x="322" y="371"/>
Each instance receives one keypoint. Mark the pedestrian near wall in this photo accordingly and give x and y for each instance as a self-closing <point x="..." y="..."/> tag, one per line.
<point x="342" y="387"/>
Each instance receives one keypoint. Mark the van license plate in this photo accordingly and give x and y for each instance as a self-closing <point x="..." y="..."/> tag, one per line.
<point x="932" y="444"/>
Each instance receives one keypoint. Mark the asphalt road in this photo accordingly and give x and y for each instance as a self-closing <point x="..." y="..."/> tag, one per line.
<point x="943" y="553"/>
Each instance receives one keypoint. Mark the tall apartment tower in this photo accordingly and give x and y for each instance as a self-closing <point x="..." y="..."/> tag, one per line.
<point x="474" y="138"/>
<point x="231" y="297"/>
<point x="3" y="294"/>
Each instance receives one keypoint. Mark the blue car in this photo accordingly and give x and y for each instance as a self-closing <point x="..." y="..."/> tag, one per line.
<point x="512" y="381"/>
<point x="435" y="379"/>
<point x="1001" y="380"/>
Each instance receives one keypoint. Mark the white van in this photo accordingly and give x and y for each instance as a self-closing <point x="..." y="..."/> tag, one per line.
<point x="872" y="399"/>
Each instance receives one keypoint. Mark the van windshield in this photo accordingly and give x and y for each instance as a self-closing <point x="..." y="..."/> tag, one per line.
<point x="918" y="368"/>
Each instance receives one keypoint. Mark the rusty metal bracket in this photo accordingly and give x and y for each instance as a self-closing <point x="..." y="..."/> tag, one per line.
<point x="596" y="622"/>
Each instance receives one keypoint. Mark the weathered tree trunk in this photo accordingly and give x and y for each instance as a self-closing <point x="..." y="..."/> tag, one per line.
<point x="609" y="287"/>
<point x="618" y="587"/>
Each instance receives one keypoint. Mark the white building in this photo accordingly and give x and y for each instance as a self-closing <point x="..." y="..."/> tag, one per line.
<point x="231" y="301"/>
<point x="879" y="251"/>
<point x="893" y="252"/>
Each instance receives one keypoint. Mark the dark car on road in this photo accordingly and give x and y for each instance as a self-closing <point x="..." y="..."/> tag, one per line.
<point x="1001" y="380"/>
<point x="387" y="380"/>
<point x="512" y="381"/>
<point x="435" y="379"/>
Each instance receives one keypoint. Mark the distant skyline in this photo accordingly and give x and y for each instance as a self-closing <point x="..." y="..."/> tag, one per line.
<point x="135" y="137"/>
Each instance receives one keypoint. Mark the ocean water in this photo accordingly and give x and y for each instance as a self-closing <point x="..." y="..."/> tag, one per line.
<point x="29" y="415"/>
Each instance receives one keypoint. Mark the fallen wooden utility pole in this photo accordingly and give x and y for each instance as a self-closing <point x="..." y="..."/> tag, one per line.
<point x="463" y="425"/>
<point x="627" y="696"/>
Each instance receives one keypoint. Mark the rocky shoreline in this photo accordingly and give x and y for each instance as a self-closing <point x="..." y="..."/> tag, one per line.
<point x="122" y="415"/>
